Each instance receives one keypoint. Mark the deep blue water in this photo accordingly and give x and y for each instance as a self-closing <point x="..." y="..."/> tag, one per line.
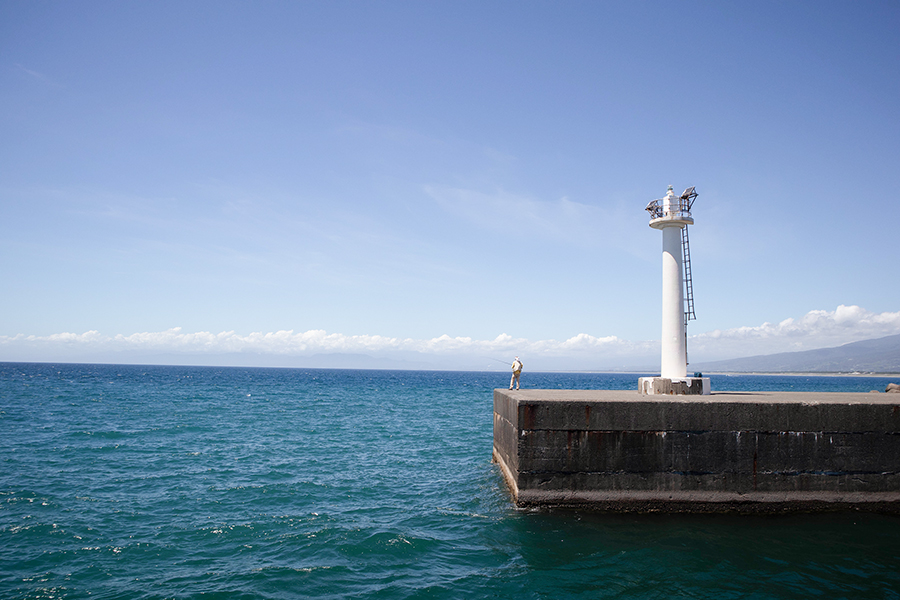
<point x="182" y="482"/>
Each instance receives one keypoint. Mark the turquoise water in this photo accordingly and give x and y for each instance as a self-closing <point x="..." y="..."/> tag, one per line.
<point x="184" y="482"/>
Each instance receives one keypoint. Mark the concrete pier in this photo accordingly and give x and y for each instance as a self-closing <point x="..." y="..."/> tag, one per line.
<point x="728" y="451"/>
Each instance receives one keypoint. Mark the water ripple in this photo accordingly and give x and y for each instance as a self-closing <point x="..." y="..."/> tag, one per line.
<point x="175" y="482"/>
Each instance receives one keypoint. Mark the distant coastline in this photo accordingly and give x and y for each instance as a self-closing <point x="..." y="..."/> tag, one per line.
<point x="803" y="374"/>
<point x="427" y="368"/>
<point x="887" y="374"/>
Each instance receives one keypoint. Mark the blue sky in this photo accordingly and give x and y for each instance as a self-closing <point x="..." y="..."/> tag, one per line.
<point x="437" y="181"/>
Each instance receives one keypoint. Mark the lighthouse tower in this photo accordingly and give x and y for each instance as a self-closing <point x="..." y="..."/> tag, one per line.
<point x="672" y="215"/>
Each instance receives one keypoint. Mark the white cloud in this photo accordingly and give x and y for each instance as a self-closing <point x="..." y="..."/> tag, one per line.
<point x="582" y="350"/>
<point x="816" y="329"/>
<point x="307" y="342"/>
<point x="38" y="76"/>
<point x="502" y="211"/>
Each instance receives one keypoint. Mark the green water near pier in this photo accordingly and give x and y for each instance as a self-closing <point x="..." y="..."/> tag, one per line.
<point x="181" y="482"/>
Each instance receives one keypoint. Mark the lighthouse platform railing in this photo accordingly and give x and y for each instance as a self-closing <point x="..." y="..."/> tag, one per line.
<point x="660" y="208"/>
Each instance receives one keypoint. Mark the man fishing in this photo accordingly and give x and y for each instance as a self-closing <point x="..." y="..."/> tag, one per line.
<point x="517" y="370"/>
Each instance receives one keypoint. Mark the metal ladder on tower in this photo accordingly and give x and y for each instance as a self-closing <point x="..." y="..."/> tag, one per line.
<point x="688" y="284"/>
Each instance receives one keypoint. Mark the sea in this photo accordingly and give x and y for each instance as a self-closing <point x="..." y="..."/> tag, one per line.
<point x="154" y="482"/>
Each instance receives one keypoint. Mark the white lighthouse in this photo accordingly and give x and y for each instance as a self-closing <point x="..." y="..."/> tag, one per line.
<point x="672" y="215"/>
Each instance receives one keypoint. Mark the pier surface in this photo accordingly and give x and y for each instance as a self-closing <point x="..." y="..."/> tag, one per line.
<point x="728" y="451"/>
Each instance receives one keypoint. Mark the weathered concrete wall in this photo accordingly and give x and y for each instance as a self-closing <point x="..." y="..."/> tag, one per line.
<point x="689" y="386"/>
<point x="619" y="450"/>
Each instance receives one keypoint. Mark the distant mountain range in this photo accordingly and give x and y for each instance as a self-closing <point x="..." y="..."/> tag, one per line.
<point x="880" y="355"/>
